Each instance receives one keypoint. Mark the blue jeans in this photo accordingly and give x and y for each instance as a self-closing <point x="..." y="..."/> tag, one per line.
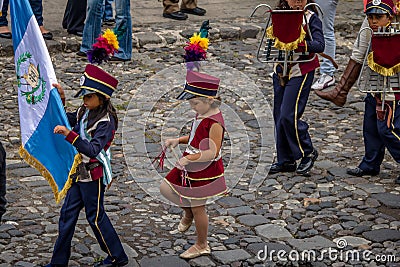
<point x="123" y="26"/>
<point x="329" y="9"/>
<point x="108" y="10"/>
<point x="37" y="9"/>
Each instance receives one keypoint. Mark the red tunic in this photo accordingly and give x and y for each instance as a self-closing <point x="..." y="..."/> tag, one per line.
<point x="204" y="179"/>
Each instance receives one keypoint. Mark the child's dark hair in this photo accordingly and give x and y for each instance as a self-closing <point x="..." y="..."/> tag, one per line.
<point x="100" y="112"/>
<point x="283" y="4"/>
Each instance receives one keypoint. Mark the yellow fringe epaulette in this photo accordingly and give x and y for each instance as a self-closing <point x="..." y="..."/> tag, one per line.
<point x="380" y="69"/>
<point x="285" y="46"/>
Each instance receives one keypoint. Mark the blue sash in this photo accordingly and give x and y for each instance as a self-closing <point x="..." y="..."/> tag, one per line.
<point x="104" y="156"/>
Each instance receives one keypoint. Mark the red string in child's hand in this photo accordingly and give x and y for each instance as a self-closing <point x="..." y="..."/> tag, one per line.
<point x="185" y="180"/>
<point x="160" y="158"/>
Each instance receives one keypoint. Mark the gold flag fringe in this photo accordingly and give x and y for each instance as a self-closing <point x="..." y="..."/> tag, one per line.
<point x="32" y="161"/>
<point x="285" y="46"/>
<point x="381" y="69"/>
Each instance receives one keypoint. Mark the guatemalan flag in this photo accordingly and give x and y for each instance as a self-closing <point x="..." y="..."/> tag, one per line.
<point x="40" y="105"/>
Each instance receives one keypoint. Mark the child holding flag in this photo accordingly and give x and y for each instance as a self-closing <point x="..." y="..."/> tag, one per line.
<point x="94" y="125"/>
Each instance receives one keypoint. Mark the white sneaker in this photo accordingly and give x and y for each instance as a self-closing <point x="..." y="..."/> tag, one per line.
<point x="323" y="82"/>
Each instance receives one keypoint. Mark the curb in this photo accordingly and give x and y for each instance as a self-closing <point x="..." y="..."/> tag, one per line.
<point x="144" y="37"/>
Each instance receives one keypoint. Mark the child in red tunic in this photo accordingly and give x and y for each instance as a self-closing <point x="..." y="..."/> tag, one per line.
<point x="199" y="174"/>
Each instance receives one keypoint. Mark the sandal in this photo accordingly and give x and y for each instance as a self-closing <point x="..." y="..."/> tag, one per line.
<point x="184" y="227"/>
<point x="198" y="252"/>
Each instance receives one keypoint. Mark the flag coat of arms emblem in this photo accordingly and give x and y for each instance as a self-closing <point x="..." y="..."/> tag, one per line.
<point x="40" y="106"/>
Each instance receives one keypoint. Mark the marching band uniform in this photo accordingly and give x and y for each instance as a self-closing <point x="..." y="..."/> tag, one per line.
<point x="292" y="138"/>
<point x="93" y="175"/>
<point x="381" y="127"/>
<point x="203" y="179"/>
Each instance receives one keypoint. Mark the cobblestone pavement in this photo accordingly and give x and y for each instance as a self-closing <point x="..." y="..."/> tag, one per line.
<point x="288" y="212"/>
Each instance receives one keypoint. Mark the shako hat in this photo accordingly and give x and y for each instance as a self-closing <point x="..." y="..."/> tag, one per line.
<point x="379" y="7"/>
<point x="199" y="84"/>
<point x="96" y="80"/>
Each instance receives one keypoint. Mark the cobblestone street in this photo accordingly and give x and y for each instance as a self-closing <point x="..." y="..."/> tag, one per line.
<point x="287" y="212"/>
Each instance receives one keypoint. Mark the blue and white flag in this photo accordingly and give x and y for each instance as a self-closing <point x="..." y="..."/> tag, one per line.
<point x="40" y="105"/>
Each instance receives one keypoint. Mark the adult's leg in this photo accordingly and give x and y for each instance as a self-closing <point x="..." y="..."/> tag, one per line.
<point x="37" y="8"/>
<point x="329" y="9"/>
<point x="123" y="26"/>
<point x="92" y="28"/>
<point x="188" y="4"/>
<point x="74" y="16"/>
<point x="69" y="215"/>
<point x="3" y="200"/>
<point x="4" y="11"/>
<point x="170" y="6"/>
<point x="108" y="10"/>
<point x="93" y="198"/>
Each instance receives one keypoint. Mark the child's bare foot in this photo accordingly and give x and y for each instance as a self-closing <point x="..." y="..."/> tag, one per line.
<point x="196" y="251"/>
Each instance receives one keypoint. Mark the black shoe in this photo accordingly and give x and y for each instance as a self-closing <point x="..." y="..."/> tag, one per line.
<point x="109" y="22"/>
<point x="283" y="167"/>
<point x="175" y="15"/>
<point x="81" y="54"/>
<point x="6" y="35"/>
<point x="397" y="181"/>
<point x="108" y="263"/>
<point x="47" y="36"/>
<point x="77" y="33"/>
<point x="114" y="58"/>
<point x="198" y="11"/>
<point x="307" y="162"/>
<point x="360" y="172"/>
